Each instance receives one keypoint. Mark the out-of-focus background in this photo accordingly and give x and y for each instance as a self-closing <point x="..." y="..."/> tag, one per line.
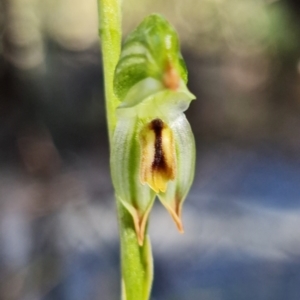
<point x="58" y="229"/>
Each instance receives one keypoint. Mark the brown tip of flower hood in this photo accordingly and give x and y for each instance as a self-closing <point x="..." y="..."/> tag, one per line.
<point x="171" y="78"/>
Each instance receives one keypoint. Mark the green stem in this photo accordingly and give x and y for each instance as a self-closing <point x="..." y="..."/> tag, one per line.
<point x="137" y="265"/>
<point x="110" y="33"/>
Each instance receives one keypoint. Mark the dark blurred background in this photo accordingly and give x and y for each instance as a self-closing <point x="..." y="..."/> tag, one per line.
<point x="58" y="229"/>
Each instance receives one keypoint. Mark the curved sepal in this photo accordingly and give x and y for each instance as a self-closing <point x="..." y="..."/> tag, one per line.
<point x="125" y="164"/>
<point x="177" y="189"/>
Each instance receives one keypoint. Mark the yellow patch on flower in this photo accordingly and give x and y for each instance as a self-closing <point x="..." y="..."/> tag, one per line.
<point x="158" y="157"/>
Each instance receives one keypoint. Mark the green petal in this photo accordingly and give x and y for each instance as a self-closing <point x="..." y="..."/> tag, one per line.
<point x="177" y="190"/>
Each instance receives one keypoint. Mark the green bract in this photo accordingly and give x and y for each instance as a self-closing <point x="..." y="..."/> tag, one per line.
<point x="153" y="151"/>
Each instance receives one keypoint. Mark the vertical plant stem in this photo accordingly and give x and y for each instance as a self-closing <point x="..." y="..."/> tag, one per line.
<point x="110" y="32"/>
<point x="137" y="265"/>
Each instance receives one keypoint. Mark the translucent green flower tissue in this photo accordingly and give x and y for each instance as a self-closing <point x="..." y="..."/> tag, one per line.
<point x="153" y="150"/>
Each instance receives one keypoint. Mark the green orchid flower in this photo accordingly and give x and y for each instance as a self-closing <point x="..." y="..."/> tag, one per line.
<point x="153" y="149"/>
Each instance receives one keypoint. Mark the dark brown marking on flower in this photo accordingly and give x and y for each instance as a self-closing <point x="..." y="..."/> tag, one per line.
<point x="159" y="161"/>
